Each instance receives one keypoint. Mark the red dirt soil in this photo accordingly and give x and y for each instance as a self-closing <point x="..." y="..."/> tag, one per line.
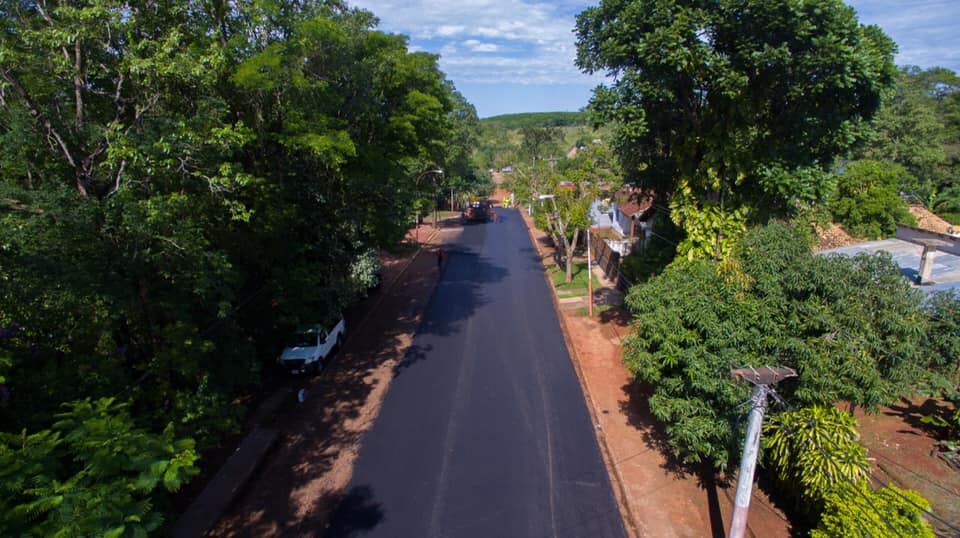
<point x="298" y="485"/>
<point x="929" y="221"/>
<point x="903" y="450"/>
<point x="662" y="497"/>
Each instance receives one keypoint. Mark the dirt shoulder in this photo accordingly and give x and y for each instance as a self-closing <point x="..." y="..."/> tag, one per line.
<point x="658" y="496"/>
<point x="300" y="482"/>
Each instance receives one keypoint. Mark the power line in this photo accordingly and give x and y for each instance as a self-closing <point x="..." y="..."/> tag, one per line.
<point x="926" y="511"/>
<point x="911" y="501"/>
<point x="855" y="487"/>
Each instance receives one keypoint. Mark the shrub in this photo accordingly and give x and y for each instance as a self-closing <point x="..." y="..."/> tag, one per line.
<point x="364" y="272"/>
<point x="815" y="450"/>
<point x="867" y="200"/>
<point x="947" y="204"/>
<point x="540" y="219"/>
<point x="859" y="512"/>
<point x="942" y="340"/>
<point x="693" y="328"/>
<point x="850" y="326"/>
<point x="93" y="474"/>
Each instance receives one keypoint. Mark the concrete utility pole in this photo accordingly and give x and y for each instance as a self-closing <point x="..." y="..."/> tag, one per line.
<point x="589" y="278"/>
<point x="762" y="379"/>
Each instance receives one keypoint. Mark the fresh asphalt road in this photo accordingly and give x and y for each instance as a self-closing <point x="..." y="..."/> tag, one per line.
<point x="484" y="431"/>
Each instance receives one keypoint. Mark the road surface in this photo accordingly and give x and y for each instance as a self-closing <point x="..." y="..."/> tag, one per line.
<point x="484" y="431"/>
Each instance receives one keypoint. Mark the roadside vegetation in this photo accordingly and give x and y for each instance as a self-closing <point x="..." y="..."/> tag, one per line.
<point x="751" y="123"/>
<point x="180" y="185"/>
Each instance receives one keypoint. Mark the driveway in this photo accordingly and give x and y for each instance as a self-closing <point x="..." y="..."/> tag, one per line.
<point x="484" y="430"/>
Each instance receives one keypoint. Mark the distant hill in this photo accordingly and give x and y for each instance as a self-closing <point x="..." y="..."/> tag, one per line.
<point x="537" y="119"/>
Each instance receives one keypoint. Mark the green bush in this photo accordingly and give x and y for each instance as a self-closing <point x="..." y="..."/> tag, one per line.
<point x="867" y="200"/>
<point x="93" y="474"/>
<point x="947" y="204"/>
<point x="859" y="512"/>
<point x="952" y="218"/>
<point x="540" y="219"/>
<point x="815" y="450"/>
<point x="851" y="327"/>
<point x="942" y="340"/>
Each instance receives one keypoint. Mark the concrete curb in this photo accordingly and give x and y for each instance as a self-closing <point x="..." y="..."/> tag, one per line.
<point x="620" y="490"/>
<point x="209" y="506"/>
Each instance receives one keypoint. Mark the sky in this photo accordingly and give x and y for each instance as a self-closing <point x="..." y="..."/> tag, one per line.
<point x="509" y="56"/>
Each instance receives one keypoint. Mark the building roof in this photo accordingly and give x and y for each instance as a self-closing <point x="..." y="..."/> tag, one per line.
<point x="634" y="202"/>
<point x="946" y="267"/>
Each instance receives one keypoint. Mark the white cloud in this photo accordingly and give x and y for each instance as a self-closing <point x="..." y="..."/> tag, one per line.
<point x="448" y="30"/>
<point x="925" y="30"/>
<point x="491" y="41"/>
<point x="480" y="46"/>
<point x="532" y="41"/>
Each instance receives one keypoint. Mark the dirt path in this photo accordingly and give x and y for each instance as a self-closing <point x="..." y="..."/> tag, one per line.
<point x="300" y="483"/>
<point x="662" y="498"/>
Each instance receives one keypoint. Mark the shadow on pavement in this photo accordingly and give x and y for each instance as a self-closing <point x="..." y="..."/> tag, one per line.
<point x="288" y="495"/>
<point x="457" y="298"/>
<point x="356" y="513"/>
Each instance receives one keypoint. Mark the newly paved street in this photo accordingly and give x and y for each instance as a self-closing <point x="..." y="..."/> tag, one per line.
<point x="484" y="431"/>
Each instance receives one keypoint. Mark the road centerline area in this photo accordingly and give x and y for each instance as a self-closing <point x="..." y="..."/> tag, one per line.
<point x="484" y="430"/>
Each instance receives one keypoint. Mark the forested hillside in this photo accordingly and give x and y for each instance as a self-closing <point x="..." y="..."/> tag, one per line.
<point x="181" y="184"/>
<point x="537" y="119"/>
<point x="504" y="140"/>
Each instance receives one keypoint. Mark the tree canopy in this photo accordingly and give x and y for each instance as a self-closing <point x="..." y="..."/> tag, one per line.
<point x="181" y="184"/>
<point x="918" y="127"/>
<point x="851" y="327"/>
<point x="731" y="103"/>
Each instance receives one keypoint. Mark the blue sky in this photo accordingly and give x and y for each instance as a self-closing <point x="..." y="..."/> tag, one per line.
<point x="517" y="55"/>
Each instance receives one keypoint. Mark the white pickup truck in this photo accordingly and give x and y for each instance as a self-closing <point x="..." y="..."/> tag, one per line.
<point x="311" y="347"/>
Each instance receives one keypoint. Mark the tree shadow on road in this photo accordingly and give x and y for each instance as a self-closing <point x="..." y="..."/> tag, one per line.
<point x="356" y="512"/>
<point x="289" y="495"/>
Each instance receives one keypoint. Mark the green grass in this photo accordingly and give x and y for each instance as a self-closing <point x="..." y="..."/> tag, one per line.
<point x="566" y="294"/>
<point x="952" y="218"/>
<point x="597" y="310"/>
<point x="558" y="275"/>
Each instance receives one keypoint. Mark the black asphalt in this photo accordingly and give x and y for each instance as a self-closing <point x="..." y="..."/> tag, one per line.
<point x="484" y="431"/>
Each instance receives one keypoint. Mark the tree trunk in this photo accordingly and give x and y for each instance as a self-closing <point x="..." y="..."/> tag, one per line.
<point x="571" y="247"/>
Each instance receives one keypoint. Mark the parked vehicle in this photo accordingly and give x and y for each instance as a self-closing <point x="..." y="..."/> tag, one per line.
<point x="310" y="348"/>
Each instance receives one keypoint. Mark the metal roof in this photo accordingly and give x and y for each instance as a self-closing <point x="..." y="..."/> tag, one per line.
<point x="946" y="267"/>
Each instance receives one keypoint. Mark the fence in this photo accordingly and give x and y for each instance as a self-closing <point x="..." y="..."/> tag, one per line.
<point x="609" y="262"/>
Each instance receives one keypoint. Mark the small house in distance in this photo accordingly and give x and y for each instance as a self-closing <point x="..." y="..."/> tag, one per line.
<point x="628" y="213"/>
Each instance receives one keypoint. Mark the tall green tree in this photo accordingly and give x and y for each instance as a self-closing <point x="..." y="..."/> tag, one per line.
<point x="867" y="200"/>
<point x="579" y="182"/>
<point x="851" y="327"/>
<point x="537" y="143"/>
<point x="181" y="183"/>
<point x="910" y="131"/>
<point x="729" y="103"/>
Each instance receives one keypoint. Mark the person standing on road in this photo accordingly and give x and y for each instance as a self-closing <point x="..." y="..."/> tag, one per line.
<point x="440" y="255"/>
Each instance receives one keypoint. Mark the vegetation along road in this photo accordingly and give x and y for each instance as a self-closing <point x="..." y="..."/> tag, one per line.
<point x="484" y="431"/>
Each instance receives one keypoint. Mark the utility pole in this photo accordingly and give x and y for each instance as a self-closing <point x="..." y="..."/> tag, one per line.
<point x="589" y="278"/>
<point x="761" y="378"/>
